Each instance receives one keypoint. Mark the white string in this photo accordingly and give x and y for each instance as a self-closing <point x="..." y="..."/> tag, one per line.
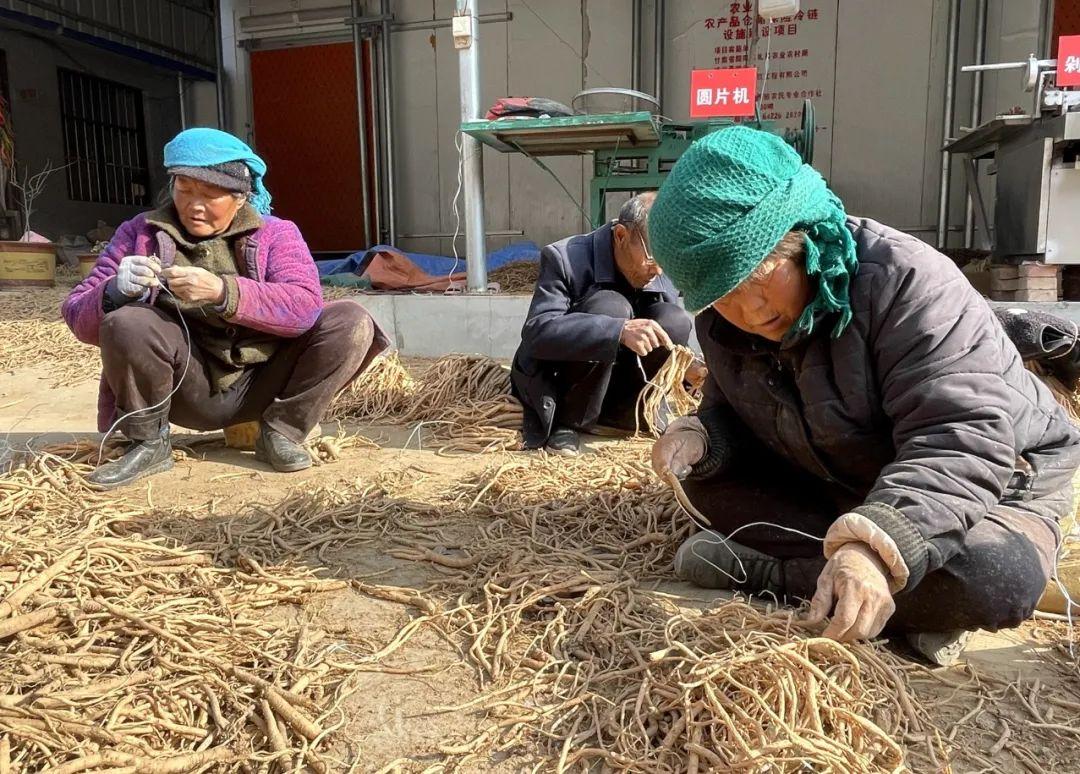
<point x="1068" y="350"/>
<point x="1070" y="603"/>
<point x="722" y="540"/>
<point x="164" y="401"/>
<point x="457" y="212"/>
<point x="765" y="75"/>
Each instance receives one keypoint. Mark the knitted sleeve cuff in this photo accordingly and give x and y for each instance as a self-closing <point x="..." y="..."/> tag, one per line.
<point x="722" y="444"/>
<point x="856" y="528"/>
<point x="905" y="537"/>
<point x="227" y="308"/>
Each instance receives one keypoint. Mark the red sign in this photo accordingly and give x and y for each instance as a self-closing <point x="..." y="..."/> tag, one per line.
<point x="723" y="92"/>
<point x="1068" y="60"/>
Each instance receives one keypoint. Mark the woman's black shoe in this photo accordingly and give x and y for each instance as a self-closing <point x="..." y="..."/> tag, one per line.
<point x="279" y="452"/>
<point x="143" y="458"/>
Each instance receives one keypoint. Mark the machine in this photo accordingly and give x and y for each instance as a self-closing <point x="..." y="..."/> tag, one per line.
<point x="1035" y="159"/>
<point x="633" y="150"/>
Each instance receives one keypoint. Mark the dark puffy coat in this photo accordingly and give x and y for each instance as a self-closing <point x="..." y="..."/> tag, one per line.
<point x="570" y="271"/>
<point x="921" y="411"/>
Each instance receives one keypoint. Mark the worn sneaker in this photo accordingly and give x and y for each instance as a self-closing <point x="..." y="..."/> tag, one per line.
<point x="707" y="560"/>
<point x="564" y="441"/>
<point x="940" y="648"/>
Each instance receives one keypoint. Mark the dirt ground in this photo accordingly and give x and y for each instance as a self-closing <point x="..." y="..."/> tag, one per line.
<point x="406" y="716"/>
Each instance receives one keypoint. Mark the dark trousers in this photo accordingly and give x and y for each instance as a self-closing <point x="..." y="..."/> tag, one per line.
<point x="593" y="393"/>
<point x="994" y="581"/>
<point x="144" y="351"/>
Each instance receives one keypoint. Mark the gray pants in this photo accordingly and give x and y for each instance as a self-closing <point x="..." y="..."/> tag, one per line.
<point x="993" y="582"/>
<point x="144" y="351"/>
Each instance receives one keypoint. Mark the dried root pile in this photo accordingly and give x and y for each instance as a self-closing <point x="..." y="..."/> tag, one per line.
<point x="667" y="386"/>
<point x="516" y="277"/>
<point x="551" y="604"/>
<point x="336" y="292"/>
<point x="1068" y="398"/>
<point x="381" y="394"/>
<point x="461" y="403"/>
<point x="35" y="336"/>
<point x="128" y="653"/>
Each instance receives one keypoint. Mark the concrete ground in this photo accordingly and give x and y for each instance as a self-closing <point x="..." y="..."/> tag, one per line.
<point x="388" y="719"/>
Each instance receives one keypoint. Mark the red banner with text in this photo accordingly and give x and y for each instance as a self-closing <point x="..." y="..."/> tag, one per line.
<point x="716" y="93"/>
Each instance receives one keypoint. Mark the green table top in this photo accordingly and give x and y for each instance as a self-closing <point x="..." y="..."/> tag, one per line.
<point x="567" y="135"/>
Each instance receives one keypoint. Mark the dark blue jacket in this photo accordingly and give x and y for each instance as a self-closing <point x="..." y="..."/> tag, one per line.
<point x="570" y="271"/>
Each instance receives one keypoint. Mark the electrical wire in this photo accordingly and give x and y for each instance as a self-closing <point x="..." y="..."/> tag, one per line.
<point x="457" y="212"/>
<point x="164" y="401"/>
<point x="554" y="177"/>
<point x="764" y="78"/>
<point x="562" y="40"/>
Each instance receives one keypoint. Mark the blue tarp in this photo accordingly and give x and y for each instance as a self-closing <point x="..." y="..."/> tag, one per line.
<point x="436" y="265"/>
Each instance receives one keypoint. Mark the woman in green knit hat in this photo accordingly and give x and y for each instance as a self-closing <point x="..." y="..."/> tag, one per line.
<point x="869" y="436"/>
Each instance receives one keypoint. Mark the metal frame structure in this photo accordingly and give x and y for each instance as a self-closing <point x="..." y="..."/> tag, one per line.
<point x="472" y="159"/>
<point x="173" y="34"/>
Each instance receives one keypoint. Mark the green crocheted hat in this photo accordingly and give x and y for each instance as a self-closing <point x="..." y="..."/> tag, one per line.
<point x="727" y="203"/>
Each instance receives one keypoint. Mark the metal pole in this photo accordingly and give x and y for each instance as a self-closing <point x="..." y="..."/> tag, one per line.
<point x="658" y="55"/>
<point x="472" y="159"/>
<point x="635" y="46"/>
<point x="361" y="99"/>
<point x="1046" y="29"/>
<point x="388" y="123"/>
<point x="180" y="99"/>
<point x="222" y="82"/>
<point x="376" y="144"/>
<point x="976" y="118"/>
<point x="947" y="123"/>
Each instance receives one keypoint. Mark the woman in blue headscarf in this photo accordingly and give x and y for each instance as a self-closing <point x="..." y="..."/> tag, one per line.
<point x="208" y="312"/>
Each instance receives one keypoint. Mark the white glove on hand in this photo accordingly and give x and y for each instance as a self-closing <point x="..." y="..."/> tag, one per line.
<point x="856" y="582"/>
<point x="682" y="446"/>
<point x="137" y="274"/>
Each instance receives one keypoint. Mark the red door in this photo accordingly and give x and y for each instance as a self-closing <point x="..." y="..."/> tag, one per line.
<point x="307" y="129"/>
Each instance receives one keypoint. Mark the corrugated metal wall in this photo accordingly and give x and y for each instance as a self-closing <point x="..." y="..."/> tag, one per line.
<point x="885" y="124"/>
<point x="181" y="29"/>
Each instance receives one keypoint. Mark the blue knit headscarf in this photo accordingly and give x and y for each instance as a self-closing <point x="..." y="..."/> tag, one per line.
<point x="205" y="147"/>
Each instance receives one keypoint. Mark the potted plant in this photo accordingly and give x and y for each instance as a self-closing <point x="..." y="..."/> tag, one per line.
<point x="25" y="261"/>
<point x="88" y="259"/>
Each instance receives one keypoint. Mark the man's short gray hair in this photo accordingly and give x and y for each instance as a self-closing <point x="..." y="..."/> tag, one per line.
<point x="634" y="215"/>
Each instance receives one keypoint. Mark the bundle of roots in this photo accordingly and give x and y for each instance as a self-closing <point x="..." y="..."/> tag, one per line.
<point x="665" y="395"/>
<point x="123" y="652"/>
<point x="516" y="277"/>
<point x="460" y="403"/>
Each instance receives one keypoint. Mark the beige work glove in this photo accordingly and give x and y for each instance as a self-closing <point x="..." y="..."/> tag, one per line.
<point x="854" y="586"/>
<point x="683" y="445"/>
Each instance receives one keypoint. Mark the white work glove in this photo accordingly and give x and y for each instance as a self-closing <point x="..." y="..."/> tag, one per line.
<point x="682" y="446"/>
<point x="856" y="583"/>
<point x="137" y="274"/>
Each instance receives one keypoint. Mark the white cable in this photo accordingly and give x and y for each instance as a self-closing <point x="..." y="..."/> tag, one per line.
<point x="765" y="74"/>
<point x="457" y="213"/>
<point x="164" y="401"/>
<point x="722" y="540"/>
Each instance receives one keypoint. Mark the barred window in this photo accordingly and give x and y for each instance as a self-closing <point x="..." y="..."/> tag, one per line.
<point x="104" y="140"/>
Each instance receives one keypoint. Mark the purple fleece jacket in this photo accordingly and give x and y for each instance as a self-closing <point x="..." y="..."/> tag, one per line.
<point x="280" y="293"/>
